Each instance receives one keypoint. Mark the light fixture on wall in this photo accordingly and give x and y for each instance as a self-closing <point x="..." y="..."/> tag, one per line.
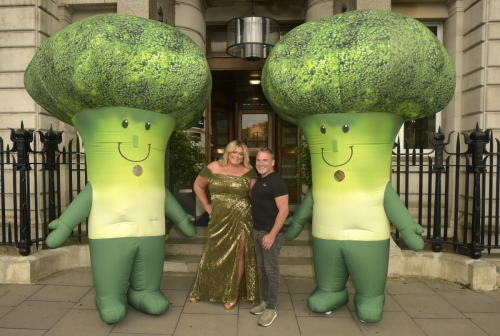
<point x="252" y="37"/>
<point x="255" y="81"/>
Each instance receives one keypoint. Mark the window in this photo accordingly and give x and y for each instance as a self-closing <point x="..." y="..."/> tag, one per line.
<point x="418" y="133"/>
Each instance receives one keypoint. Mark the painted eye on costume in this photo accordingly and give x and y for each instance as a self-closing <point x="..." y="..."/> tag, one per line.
<point x="125" y="123"/>
<point x="148" y="126"/>
<point x="345" y="128"/>
<point x="322" y="129"/>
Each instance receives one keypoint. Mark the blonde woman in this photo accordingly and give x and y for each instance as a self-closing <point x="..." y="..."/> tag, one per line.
<point x="228" y="268"/>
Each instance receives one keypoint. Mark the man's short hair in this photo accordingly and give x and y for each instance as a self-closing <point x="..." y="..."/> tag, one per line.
<point x="267" y="150"/>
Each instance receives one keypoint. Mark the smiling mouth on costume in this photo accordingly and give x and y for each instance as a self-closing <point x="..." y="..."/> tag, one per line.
<point x="149" y="151"/>
<point x="350" y="157"/>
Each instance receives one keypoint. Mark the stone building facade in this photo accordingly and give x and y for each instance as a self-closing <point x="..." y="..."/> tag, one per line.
<point x="469" y="30"/>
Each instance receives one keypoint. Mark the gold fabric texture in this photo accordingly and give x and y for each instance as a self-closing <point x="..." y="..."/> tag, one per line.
<point x="217" y="276"/>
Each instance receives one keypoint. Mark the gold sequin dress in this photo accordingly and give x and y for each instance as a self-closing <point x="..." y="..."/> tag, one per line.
<point x="217" y="277"/>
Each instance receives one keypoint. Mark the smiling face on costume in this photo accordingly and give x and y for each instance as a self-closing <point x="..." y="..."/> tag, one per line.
<point x="123" y="144"/>
<point x="264" y="163"/>
<point x="350" y="148"/>
<point x="237" y="156"/>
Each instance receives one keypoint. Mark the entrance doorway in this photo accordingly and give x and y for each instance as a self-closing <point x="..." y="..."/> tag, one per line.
<point x="239" y="110"/>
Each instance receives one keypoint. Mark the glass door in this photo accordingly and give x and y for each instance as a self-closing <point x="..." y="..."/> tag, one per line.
<point x="255" y="130"/>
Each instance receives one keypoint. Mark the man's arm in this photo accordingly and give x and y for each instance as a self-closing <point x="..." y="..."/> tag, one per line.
<point x="282" y="204"/>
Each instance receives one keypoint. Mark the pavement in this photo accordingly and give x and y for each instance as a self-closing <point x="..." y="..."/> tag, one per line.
<point x="63" y="304"/>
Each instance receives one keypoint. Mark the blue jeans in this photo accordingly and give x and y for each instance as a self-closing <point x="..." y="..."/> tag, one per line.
<point x="269" y="269"/>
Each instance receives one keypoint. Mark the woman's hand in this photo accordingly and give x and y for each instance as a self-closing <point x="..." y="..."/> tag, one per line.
<point x="208" y="208"/>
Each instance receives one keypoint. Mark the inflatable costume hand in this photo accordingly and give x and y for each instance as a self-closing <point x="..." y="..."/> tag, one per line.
<point x="176" y="214"/>
<point x="76" y="212"/>
<point x="293" y="229"/>
<point x="411" y="236"/>
<point x="186" y="226"/>
<point x="296" y="223"/>
<point x="402" y="220"/>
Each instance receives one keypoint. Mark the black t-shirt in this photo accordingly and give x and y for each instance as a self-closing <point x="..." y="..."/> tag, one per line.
<point x="264" y="209"/>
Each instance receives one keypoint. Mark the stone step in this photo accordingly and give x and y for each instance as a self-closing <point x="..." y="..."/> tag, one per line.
<point x="195" y="247"/>
<point x="201" y="232"/>
<point x="291" y="267"/>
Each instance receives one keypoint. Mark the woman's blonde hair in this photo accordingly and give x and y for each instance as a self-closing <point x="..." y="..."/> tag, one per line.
<point x="230" y="148"/>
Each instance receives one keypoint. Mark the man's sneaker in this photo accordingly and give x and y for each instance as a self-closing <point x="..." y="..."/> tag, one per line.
<point x="268" y="317"/>
<point x="260" y="309"/>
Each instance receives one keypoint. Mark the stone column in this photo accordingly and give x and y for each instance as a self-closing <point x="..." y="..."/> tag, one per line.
<point x="453" y="42"/>
<point x="492" y="111"/>
<point x="190" y="19"/>
<point x="168" y="7"/>
<point x="24" y="26"/>
<point x="481" y="65"/>
<point x="141" y="8"/>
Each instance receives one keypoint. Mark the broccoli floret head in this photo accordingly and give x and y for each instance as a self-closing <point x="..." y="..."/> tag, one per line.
<point x="359" y="61"/>
<point x="120" y="60"/>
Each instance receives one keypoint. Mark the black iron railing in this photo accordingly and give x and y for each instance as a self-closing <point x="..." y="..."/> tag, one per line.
<point x="36" y="184"/>
<point x="460" y="188"/>
<point x="456" y="197"/>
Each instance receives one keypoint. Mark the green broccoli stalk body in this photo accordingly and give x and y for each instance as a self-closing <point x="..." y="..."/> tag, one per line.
<point x="125" y="83"/>
<point x="350" y="81"/>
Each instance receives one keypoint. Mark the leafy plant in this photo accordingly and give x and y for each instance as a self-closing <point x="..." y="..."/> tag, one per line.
<point x="304" y="162"/>
<point x="187" y="157"/>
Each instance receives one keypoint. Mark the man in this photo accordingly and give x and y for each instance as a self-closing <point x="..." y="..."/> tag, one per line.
<point x="269" y="210"/>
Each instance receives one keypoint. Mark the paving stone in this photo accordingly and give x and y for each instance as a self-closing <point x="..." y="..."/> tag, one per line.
<point x="392" y="323"/>
<point x="60" y="293"/>
<point x="314" y="326"/>
<point x="408" y="287"/>
<point x="447" y="327"/>
<point x="73" y="277"/>
<point x="301" y="286"/>
<point x="284" y="325"/>
<point x="301" y="309"/>
<point x="137" y="322"/>
<point x="88" y="301"/>
<point x="168" y="282"/>
<point x="176" y="297"/>
<point x="439" y="285"/>
<point x="22" y="332"/>
<point x="425" y="306"/>
<point x="80" y="322"/>
<point x="471" y="302"/>
<point x="5" y="310"/>
<point x="4" y="289"/>
<point x="488" y="322"/>
<point x="127" y="334"/>
<point x="284" y="286"/>
<point x="495" y="294"/>
<point x="35" y="315"/>
<point x="209" y="308"/>
<point x="207" y="325"/>
<point x="17" y="294"/>
<point x="390" y="304"/>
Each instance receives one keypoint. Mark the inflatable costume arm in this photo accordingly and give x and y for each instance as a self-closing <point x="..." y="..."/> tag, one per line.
<point x="300" y="217"/>
<point x="74" y="214"/>
<point x="176" y="214"/>
<point x="402" y="220"/>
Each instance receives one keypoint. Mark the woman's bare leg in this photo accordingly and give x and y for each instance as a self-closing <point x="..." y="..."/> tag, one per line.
<point x="241" y="269"/>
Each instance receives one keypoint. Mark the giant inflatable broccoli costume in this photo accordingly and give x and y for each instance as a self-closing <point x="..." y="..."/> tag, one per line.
<point x="125" y="83"/>
<point x="349" y="81"/>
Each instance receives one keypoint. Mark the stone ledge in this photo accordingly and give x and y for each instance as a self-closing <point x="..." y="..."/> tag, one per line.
<point x="476" y="274"/>
<point x="26" y="270"/>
